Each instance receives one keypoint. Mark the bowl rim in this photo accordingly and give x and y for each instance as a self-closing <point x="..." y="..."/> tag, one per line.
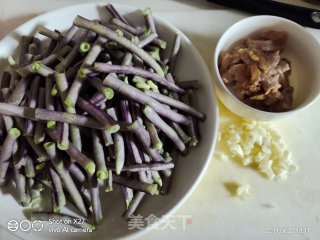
<point x="218" y="78"/>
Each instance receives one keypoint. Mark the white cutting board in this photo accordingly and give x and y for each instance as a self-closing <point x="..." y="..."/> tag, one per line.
<point x="275" y="204"/>
<point x="214" y="212"/>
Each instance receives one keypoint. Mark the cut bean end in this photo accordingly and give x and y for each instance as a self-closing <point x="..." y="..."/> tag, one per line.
<point x="114" y="128"/>
<point x="54" y="90"/>
<point x="69" y="103"/>
<point x="147" y="12"/>
<point x="152" y="85"/>
<point x="193" y="142"/>
<point x="35" y="67"/>
<point x="102" y="174"/>
<point x="142" y="86"/>
<point x="30" y="175"/>
<point x="56" y="209"/>
<point x="41" y="166"/>
<point x="63" y="146"/>
<point x="51" y="124"/>
<point x="12" y="62"/>
<point x="153" y="189"/>
<point x="119" y="32"/>
<point x="159" y="146"/>
<point x="90" y="167"/>
<point x="108" y="93"/>
<point x="82" y="73"/>
<point x="85" y="47"/>
<point x="48" y="145"/>
<point x="14" y="132"/>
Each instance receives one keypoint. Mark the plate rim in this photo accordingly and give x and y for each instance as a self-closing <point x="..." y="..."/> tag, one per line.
<point x="208" y="78"/>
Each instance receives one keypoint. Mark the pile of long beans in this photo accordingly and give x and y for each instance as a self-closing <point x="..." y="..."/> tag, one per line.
<point x="94" y="107"/>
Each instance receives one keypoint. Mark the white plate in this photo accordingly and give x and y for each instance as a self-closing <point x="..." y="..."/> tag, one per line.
<point x="188" y="170"/>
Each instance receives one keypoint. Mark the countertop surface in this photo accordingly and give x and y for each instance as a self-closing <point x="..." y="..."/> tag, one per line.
<point x="212" y="212"/>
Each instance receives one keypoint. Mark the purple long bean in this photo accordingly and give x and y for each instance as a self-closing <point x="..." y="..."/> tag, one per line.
<point x="65" y="177"/>
<point x="142" y="98"/>
<point x="76" y="86"/>
<point x="48" y="33"/>
<point x="131" y="144"/>
<point x="6" y="150"/>
<point x="107" y="33"/>
<point x="176" y="104"/>
<point x="102" y="117"/>
<point x="116" y="14"/>
<point x="146" y="143"/>
<point x="58" y="188"/>
<point x="32" y="103"/>
<point x="76" y="172"/>
<point x="118" y="144"/>
<point x="137" y="185"/>
<point x="67" y="38"/>
<point x="29" y="168"/>
<point x="95" y="198"/>
<point x="174" y="52"/>
<point x="21" y="185"/>
<point x="39" y="133"/>
<point x="98" y="152"/>
<point x="125" y="26"/>
<point x="156" y="141"/>
<point x="74" y="153"/>
<point x="149" y="19"/>
<point x="156" y="120"/>
<point x="108" y="68"/>
<point x="144" y="167"/>
<point x="19" y="157"/>
<point x="19" y="91"/>
<point x="134" y="204"/>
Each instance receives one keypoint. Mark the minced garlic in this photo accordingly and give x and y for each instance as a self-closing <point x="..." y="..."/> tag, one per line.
<point x="255" y="144"/>
<point x="243" y="191"/>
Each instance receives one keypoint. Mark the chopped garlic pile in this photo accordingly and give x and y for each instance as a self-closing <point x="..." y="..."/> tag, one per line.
<point x="255" y="144"/>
